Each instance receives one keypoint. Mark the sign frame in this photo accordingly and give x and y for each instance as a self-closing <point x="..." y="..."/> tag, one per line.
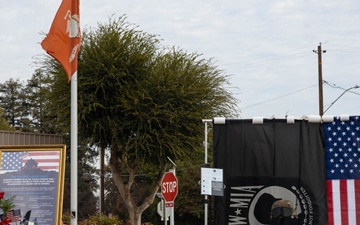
<point x="38" y="185"/>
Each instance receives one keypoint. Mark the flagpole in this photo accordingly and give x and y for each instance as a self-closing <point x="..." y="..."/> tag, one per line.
<point x="74" y="151"/>
<point x="63" y="43"/>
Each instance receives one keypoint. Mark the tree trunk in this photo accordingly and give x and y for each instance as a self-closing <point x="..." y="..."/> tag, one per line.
<point x="135" y="216"/>
<point x="134" y="211"/>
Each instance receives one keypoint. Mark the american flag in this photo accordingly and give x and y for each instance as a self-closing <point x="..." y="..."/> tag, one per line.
<point x="342" y="145"/>
<point x="14" y="215"/>
<point x="14" y="161"/>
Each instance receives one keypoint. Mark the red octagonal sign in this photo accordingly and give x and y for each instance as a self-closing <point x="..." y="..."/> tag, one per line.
<point x="169" y="187"/>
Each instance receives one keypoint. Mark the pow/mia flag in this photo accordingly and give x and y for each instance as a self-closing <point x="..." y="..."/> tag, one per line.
<point x="274" y="173"/>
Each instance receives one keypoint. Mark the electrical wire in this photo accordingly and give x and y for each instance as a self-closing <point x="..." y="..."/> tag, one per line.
<point x="345" y="49"/>
<point x="271" y="58"/>
<point x="282" y="96"/>
<point x="277" y="59"/>
<point x="337" y="87"/>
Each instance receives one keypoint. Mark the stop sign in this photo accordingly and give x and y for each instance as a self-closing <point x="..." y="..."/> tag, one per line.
<point x="169" y="187"/>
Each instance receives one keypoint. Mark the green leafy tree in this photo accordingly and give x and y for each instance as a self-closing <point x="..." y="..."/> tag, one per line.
<point x="4" y="125"/>
<point x="38" y="101"/>
<point x="145" y="103"/>
<point x="55" y="117"/>
<point x="27" y="106"/>
<point x="12" y="102"/>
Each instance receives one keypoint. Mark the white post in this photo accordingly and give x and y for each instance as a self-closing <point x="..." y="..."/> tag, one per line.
<point x="206" y="162"/>
<point x="74" y="151"/>
<point x="165" y="214"/>
<point x="172" y="214"/>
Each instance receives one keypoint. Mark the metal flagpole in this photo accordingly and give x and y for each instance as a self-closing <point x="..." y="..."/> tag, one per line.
<point x="74" y="151"/>
<point x="64" y="51"/>
<point x="74" y="147"/>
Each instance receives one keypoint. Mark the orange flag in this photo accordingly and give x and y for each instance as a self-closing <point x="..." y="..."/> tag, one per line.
<point x="64" y="38"/>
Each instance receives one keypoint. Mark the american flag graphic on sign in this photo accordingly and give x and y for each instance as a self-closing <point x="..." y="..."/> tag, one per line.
<point x="47" y="160"/>
<point x="342" y="144"/>
<point x="11" y="161"/>
<point x="44" y="160"/>
<point x="14" y="215"/>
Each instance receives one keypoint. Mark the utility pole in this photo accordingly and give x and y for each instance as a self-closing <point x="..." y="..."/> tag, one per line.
<point x="321" y="102"/>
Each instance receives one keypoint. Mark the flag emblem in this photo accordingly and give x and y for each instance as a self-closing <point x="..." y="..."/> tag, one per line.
<point x="72" y="24"/>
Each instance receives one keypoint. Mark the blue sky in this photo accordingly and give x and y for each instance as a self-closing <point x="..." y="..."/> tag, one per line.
<point x="266" y="47"/>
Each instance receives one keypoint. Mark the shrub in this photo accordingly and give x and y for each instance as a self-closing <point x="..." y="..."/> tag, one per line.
<point x="101" y="220"/>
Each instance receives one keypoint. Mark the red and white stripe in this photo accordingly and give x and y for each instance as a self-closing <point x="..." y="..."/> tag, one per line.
<point x="343" y="198"/>
<point x="47" y="160"/>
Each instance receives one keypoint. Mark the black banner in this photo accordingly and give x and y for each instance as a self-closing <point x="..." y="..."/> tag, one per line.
<point x="274" y="173"/>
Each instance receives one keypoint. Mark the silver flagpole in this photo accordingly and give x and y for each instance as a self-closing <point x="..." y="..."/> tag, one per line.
<point x="74" y="151"/>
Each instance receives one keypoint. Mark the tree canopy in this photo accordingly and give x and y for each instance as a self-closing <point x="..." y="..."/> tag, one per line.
<point x="12" y="102"/>
<point x="145" y="98"/>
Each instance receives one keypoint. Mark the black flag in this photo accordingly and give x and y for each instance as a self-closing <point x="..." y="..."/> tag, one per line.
<point x="274" y="173"/>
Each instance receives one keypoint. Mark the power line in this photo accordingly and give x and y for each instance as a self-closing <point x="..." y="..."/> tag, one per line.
<point x="338" y="87"/>
<point x="254" y="63"/>
<point x="282" y="96"/>
<point x="344" y="50"/>
<point x="347" y="46"/>
<point x="280" y="58"/>
<point x="340" y="97"/>
<point x="269" y="58"/>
